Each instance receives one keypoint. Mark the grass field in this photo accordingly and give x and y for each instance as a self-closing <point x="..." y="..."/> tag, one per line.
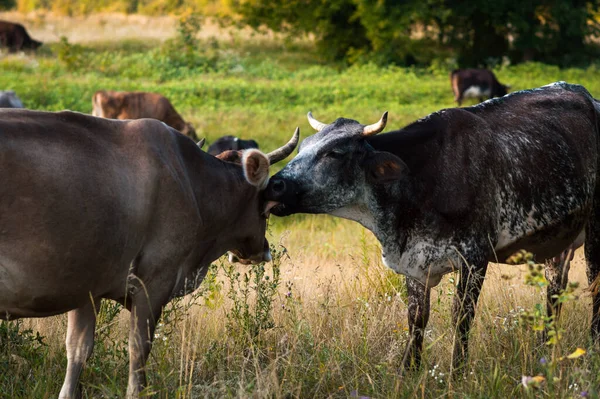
<point x="339" y="317"/>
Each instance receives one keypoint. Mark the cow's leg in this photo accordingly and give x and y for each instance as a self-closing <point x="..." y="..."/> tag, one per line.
<point x="418" y="316"/>
<point x="18" y="44"/>
<point x="463" y="308"/>
<point x="592" y="257"/>
<point x="79" y="343"/>
<point x="557" y="274"/>
<point x="145" y="312"/>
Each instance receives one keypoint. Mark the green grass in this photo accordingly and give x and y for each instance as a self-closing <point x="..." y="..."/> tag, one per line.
<point x="340" y="316"/>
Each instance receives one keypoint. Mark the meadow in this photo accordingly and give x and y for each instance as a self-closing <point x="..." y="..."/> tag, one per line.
<point x="326" y="319"/>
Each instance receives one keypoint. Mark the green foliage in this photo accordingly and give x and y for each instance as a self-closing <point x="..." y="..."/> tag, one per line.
<point x="251" y="294"/>
<point x="22" y="351"/>
<point x="550" y="380"/>
<point x="71" y="55"/>
<point x="185" y="51"/>
<point x="18" y="341"/>
<point x="477" y="32"/>
<point x="7" y="4"/>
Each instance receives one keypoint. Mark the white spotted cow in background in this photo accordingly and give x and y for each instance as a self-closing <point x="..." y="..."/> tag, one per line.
<point x="476" y="83"/>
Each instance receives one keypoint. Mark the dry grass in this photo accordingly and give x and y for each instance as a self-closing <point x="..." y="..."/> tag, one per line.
<point x="343" y="329"/>
<point x="113" y="27"/>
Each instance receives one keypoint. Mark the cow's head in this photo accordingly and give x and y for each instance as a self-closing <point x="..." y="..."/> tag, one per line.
<point x="243" y="144"/>
<point x="34" y="44"/>
<point x="189" y="131"/>
<point x="107" y="104"/>
<point x="333" y="169"/>
<point x="502" y="90"/>
<point x="251" y="245"/>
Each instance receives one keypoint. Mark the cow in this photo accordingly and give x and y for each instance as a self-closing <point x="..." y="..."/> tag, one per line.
<point x="230" y="143"/>
<point x="14" y="37"/>
<point x="9" y="99"/>
<point x="459" y="188"/>
<point x="137" y="105"/>
<point x="131" y="211"/>
<point x="475" y="83"/>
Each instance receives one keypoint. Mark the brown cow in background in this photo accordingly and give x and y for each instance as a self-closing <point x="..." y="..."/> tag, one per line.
<point x="15" y="37"/>
<point x="476" y="83"/>
<point x="137" y="105"/>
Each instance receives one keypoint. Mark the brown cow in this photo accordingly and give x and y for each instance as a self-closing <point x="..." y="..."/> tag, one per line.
<point x="476" y="83"/>
<point x="15" y="37"/>
<point x="132" y="211"/>
<point x="137" y="105"/>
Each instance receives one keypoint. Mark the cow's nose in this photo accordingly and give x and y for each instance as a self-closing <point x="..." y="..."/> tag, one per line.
<point x="278" y="187"/>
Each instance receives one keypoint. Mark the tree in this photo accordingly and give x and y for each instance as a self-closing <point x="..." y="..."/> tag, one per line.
<point x="477" y="33"/>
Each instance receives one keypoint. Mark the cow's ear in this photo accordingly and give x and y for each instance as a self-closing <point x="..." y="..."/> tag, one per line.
<point x="382" y="167"/>
<point x="256" y="168"/>
<point x="232" y="156"/>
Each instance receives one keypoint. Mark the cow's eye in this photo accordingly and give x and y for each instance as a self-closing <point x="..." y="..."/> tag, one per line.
<point x="335" y="154"/>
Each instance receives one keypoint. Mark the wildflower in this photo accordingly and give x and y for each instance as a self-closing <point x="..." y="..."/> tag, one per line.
<point x="577" y="353"/>
<point x="355" y="394"/>
<point x="584" y="394"/>
<point x="543" y="361"/>
<point x="532" y="382"/>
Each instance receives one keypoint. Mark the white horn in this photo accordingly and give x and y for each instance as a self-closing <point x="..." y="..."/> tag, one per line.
<point x="376" y="127"/>
<point x="315" y="124"/>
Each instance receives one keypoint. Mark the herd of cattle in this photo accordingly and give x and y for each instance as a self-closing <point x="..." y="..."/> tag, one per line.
<point x="139" y="211"/>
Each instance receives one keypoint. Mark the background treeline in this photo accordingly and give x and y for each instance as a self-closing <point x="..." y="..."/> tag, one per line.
<point x="409" y="32"/>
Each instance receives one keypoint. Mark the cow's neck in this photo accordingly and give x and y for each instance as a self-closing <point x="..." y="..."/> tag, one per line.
<point x="225" y="197"/>
<point x="387" y="211"/>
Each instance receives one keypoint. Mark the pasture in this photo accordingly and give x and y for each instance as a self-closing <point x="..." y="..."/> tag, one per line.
<point x="326" y="319"/>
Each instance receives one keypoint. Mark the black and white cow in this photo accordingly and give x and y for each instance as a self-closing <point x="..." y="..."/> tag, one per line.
<point x="458" y="189"/>
<point x="9" y="99"/>
<point x="476" y="83"/>
<point x="230" y="143"/>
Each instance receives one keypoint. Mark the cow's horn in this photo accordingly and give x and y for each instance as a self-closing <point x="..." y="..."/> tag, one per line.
<point x="283" y="152"/>
<point x="376" y="127"/>
<point x="200" y="143"/>
<point x="315" y="124"/>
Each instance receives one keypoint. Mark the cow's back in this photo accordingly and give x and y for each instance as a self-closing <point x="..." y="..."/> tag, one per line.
<point x="516" y="137"/>
<point x="136" y="105"/>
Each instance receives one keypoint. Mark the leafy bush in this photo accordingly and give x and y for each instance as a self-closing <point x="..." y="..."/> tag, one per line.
<point x="71" y="55"/>
<point x="252" y="294"/>
<point x="18" y="341"/>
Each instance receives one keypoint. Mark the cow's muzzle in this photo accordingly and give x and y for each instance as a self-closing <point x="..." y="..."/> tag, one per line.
<point x="237" y="257"/>
<point x="281" y="196"/>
